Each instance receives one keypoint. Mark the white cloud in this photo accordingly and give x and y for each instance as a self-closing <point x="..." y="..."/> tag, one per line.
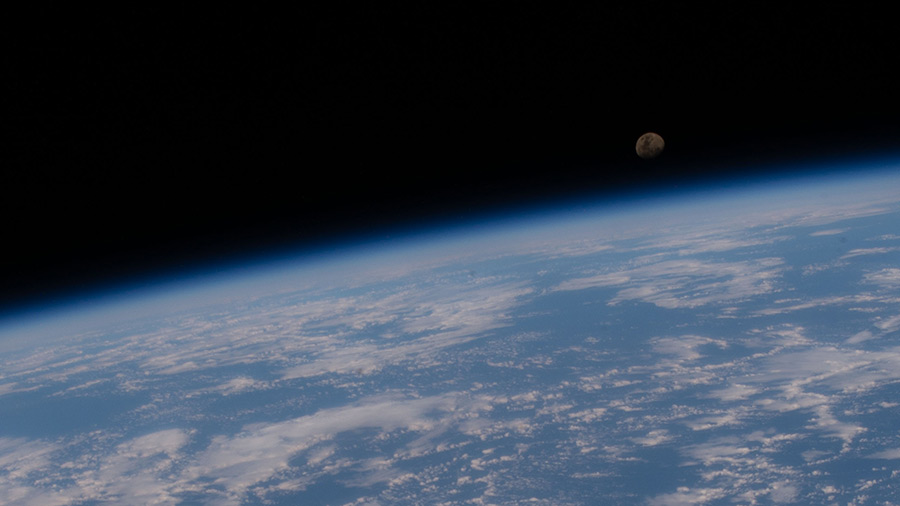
<point x="600" y="280"/>
<point x="715" y="243"/>
<point x="137" y="471"/>
<point x="653" y="438"/>
<point x="892" y="454"/>
<point x="830" y="231"/>
<point x="165" y="441"/>
<point x="261" y="451"/>
<point x="22" y="462"/>
<point x="734" y="392"/>
<point x="685" y="348"/>
<point x="435" y="322"/>
<point x="686" y="283"/>
<point x="820" y="303"/>
<point x="859" y="337"/>
<point x="783" y="492"/>
<point x="20" y="457"/>
<point x="11" y="388"/>
<point x="154" y="469"/>
<point x="868" y="251"/>
<point x="240" y="385"/>
<point x="715" y="421"/>
<point x="833" y="427"/>
<point x="589" y="415"/>
<point x="686" y="496"/>
<point x="886" y="278"/>
<point x="179" y="368"/>
<point x="890" y="324"/>
<point x="722" y="449"/>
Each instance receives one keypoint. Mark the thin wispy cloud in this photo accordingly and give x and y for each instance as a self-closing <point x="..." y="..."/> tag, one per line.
<point x="868" y="251"/>
<point x="686" y="283"/>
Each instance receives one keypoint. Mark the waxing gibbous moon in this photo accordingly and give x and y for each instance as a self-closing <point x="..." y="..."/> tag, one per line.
<point x="649" y="145"/>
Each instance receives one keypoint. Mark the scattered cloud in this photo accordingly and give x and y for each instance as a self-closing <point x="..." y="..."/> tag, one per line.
<point x="887" y="237"/>
<point x="686" y="496"/>
<point x="687" y="283"/>
<point x="886" y="278"/>
<point x="261" y="451"/>
<point x="819" y="302"/>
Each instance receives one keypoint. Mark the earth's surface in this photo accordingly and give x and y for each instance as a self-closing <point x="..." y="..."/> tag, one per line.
<point x="727" y="346"/>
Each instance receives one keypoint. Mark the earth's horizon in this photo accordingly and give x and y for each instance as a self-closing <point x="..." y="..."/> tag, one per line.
<point x="713" y="346"/>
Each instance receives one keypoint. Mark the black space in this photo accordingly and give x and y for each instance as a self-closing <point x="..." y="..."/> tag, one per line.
<point x="144" y="140"/>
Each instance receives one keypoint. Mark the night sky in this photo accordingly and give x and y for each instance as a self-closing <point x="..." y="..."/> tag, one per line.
<point x="146" y="141"/>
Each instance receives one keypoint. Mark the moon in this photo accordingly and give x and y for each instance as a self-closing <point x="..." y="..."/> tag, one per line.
<point x="649" y="145"/>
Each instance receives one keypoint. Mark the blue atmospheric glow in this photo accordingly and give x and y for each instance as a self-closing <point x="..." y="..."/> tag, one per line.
<point x="289" y="268"/>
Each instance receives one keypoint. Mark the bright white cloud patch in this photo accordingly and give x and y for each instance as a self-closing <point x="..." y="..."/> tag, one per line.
<point x="830" y="231"/>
